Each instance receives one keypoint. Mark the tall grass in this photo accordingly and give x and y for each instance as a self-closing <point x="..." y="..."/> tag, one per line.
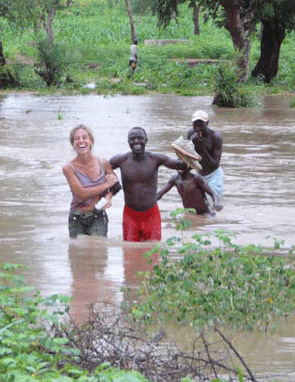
<point x="95" y="36"/>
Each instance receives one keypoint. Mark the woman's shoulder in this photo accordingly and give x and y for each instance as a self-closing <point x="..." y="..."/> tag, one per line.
<point x="70" y="166"/>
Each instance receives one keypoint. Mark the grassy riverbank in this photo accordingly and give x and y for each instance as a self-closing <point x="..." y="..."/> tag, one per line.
<point x="93" y="42"/>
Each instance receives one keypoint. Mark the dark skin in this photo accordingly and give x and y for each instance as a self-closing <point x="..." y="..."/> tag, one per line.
<point x="192" y="187"/>
<point x="208" y="144"/>
<point x="139" y="171"/>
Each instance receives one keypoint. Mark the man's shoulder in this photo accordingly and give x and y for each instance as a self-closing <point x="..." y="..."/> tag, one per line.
<point x="119" y="158"/>
<point x="215" y="134"/>
<point x="197" y="177"/>
<point x="154" y="156"/>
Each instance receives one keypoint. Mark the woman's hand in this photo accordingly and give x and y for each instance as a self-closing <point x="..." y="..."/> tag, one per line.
<point x="108" y="199"/>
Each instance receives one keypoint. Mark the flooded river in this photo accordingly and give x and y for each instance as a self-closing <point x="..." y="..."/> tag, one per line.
<point x="259" y="165"/>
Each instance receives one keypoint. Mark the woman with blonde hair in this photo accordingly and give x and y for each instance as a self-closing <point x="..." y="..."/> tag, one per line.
<point x="90" y="178"/>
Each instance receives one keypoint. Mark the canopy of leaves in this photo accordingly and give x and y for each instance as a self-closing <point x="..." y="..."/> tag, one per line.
<point x="252" y="12"/>
<point x="20" y="12"/>
<point x="29" y="12"/>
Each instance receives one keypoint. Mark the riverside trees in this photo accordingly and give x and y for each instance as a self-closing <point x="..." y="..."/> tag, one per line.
<point x="241" y="18"/>
<point x="38" y="14"/>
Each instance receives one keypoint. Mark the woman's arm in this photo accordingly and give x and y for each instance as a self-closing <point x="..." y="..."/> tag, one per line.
<point x="87" y="192"/>
<point x="109" y="170"/>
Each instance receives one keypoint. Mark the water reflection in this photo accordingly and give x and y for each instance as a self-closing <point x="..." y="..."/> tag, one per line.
<point x="258" y="160"/>
<point x="96" y="276"/>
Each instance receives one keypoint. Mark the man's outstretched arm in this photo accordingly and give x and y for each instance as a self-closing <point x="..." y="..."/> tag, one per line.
<point x="166" y="188"/>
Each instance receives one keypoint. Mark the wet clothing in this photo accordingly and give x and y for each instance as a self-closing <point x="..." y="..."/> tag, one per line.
<point x="86" y="181"/>
<point x="215" y="181"/>
<point x="141" y="225"/>
<point x="93" y="222"/>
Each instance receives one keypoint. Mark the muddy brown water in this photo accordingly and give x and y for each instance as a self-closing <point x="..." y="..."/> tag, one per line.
<point x="259" y="165"/>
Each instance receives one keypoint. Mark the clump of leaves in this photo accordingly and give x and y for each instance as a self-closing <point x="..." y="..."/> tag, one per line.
<point x="33" y="341"/>
<point x="237" y="286"/>
<point x="229" y="92"/>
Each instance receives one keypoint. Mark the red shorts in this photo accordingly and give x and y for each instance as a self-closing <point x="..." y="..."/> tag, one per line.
<point x="141" y="225"/>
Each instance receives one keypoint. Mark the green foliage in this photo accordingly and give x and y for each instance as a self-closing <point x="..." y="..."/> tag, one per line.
<point x="32" y="347"/>
<point x="53" y="60"/>
<point x="21" y="13"/>
<point x="237" y="286"/>
<point x="93" y="41"/>
<point x="229" y="92"/>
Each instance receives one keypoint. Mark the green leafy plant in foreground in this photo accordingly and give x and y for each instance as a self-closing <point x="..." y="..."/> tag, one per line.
<point x="32" y="341"/>
<point x="239" y="286"/>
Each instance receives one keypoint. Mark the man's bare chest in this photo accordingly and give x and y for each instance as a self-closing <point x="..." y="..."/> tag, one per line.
<point x="139" y="171"/>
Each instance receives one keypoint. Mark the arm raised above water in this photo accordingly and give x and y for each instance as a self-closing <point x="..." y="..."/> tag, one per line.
<point x="109" y="170"/>
<point x="175" y="164"/>
<point x="167" y="187"/>
<point x="205" y="187"/>
<point x="87" y="192"/>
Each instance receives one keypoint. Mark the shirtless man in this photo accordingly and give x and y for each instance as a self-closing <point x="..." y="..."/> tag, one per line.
<point x="139" y="172"/>
<point x="192" y="187"/>
<point x="208" y="144"/>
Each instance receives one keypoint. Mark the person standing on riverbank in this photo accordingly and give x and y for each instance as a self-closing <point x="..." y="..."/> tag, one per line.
<point x="139" y="171"/>
<point x="192" y="188"/>
<point x="208" y="144"/>
<point x="90" y="179"/>
<point x="134" y="56"/>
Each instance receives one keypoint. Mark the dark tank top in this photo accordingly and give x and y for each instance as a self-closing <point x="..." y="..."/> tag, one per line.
<point x="78" y="203"/>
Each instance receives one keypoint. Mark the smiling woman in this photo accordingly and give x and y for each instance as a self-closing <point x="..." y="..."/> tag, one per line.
<point x="90" y="178"/>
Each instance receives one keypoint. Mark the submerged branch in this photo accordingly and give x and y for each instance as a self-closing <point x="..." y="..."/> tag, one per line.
<point x="111" y="336"/>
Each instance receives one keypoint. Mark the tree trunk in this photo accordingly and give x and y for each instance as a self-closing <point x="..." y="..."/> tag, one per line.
<point x="272" y="37"/>
<point x="6" y="78"/>
<point x="2" y="58"/>
<point x="133" y="35"/>
<point x="236" y="30"/>
<point x="48" y="28"/>
<point x="196" y="19"/>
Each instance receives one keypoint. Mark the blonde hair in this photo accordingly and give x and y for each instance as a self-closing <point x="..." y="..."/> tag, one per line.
<point x="88" y="131"/>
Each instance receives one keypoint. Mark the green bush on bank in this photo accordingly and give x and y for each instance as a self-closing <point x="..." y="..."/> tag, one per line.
<point x="31" y="345"/>
<point x="236" y="286"/>
<point x="96" y="35"/>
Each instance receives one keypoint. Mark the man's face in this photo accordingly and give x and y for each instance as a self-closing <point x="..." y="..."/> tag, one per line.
<point x="200" y="127"/>
<point x="137" y="141"/>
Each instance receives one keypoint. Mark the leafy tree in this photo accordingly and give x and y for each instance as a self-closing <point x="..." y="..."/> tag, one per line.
<point x="33" y="13"/>
<point x="168" y="10"/>
<point x="21" y="13"/>
<point x="277" y="17"/>
<point x="241" y="18"/>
